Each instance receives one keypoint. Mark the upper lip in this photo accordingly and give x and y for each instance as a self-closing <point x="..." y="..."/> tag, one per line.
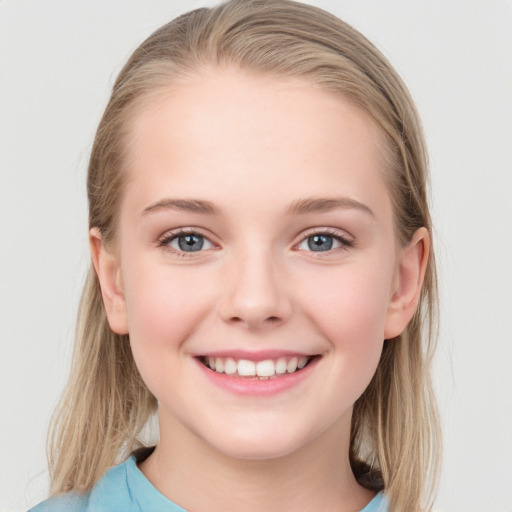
<point x="255" y="356"/>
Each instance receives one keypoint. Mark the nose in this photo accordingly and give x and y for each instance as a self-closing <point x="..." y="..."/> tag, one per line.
<point x="255" y="292"/>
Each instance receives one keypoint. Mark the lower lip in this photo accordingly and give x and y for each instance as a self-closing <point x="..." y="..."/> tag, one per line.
<point x="256" y="387"/>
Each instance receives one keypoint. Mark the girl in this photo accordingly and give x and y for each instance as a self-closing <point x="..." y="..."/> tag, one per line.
<point x="262" y="277"/>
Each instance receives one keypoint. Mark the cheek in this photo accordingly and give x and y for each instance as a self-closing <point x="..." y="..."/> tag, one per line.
<point x="349" y="306"/>
<point x="165" y="305"/>
<point x="351" y="300"/>
<point x="163" y="297"/>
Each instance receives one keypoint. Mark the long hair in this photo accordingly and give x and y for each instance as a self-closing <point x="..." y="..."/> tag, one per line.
<point x="395" y="440"/>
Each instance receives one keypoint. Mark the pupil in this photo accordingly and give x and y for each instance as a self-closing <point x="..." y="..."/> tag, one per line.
<point x="190" y="243"/>
<point x="320" y="242"/>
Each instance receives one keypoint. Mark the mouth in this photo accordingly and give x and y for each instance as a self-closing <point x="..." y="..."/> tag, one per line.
<point x="266" y="369"/>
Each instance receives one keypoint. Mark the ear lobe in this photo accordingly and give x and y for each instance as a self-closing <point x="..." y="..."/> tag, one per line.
<point x="412" y="265"/>
<point x="109" y="275"/>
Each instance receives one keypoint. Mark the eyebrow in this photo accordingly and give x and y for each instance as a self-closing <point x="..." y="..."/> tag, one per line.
<point x="297" y="207"/>
<point x="186" y="205"/>
<point x="324" y="204"/>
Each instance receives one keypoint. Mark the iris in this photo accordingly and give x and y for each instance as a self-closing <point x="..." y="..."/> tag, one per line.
<point x="320" y="242"/>
<point x="190" y="243"/>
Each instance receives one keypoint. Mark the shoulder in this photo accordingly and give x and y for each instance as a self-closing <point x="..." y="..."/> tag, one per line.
<point x="72" y="502"/>
<point x="378" y="504"/>
<point x="110" y="493"/>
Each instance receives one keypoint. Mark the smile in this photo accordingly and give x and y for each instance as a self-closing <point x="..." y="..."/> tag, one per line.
<point x="261" y="370"/>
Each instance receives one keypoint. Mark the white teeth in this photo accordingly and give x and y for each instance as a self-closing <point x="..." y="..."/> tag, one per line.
<point x="281" y="366"/>
<point x="230" y="366"/>
<point x="246" y="368"/>
<point x="262" y="369"/>
<point x="292" y="365"/>
<point x="265" y="368"/>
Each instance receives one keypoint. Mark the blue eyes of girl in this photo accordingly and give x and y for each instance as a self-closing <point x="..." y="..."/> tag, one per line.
<point x="184" y="242"/>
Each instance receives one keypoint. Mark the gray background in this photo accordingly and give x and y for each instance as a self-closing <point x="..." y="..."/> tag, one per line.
<point x="58" y="60"/>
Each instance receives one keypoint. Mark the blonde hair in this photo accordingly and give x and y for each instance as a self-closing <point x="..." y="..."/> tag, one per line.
<point x="395" y="434"/>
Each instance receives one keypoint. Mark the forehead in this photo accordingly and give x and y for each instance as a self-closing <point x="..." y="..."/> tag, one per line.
<point x="227" y="127"/>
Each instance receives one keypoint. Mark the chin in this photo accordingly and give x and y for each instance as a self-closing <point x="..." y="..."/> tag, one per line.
<point x="257" y="444"/>
<point x="257" y="451"/>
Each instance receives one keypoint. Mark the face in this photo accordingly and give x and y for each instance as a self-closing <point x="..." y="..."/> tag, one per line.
<point x="256" y="270"/>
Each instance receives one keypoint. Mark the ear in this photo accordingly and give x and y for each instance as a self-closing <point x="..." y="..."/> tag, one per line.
<point x="109" y="275"/>
<point x="408" y="282"/>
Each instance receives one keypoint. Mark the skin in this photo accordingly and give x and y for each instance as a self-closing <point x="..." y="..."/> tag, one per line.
<point x="252" y="146"/>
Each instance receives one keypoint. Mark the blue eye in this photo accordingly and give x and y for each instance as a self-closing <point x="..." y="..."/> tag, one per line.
<point x="187" y="242"/>
<point x="190" y="243"/>
<point x="323" y="242"/>
<point x="320" y="242"/>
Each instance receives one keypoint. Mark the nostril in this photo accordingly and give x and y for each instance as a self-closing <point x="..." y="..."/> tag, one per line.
<point x="269" y="320"/>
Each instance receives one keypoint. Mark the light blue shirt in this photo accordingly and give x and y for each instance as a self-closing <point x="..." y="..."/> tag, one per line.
<point x="125" y="489"/>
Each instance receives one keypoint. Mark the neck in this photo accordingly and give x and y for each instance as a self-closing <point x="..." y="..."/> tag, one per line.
<point x="197" y="477"/>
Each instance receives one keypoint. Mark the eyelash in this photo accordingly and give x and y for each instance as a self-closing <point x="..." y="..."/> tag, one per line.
<point x="168" y="237"/>
<point x="345" y="242"/>
<point x="165" y="240"/>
